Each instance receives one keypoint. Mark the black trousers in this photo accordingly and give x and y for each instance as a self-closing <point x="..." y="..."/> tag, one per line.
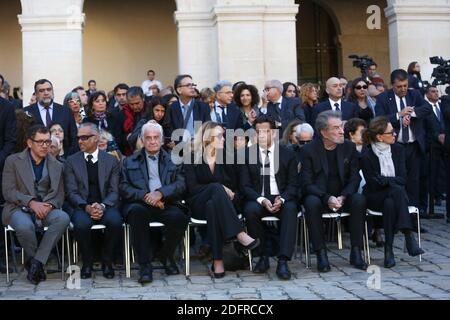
<point x="314" y="208"/>
<point x="82" y="224"/>
<point x="213" y="205"/>
<point x="393" y="203"/>
<point x="413" y="161"/>
<point x="254" y="212"/>
<point x="447" y="170"/>
<point x="139" y="217"/>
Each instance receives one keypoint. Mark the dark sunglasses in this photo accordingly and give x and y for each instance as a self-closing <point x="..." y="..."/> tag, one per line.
<point x="85" y="138"/>
<point x="302" y="143"/>
<point x="361" y="87"/>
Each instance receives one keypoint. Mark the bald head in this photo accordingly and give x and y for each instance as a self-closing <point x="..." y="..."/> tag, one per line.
<point x="334" y="88"/>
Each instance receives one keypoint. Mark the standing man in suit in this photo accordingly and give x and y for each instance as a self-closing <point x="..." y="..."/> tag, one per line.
<point x="283" y="110"/>
<point x="7" y="145"/>
<point x="445" y="107"/>
<point x="92" y="186"/>
<point x="406" y="110"/>
<point x="335" y="102"/>
<point x="269" y="183"/>
<point x="46" y="111"/>
<point x="33" y="189"/>
<point x="187" y="111"/>
<point x="152" y="187"/>
<point x="225" y="112"/>
<point x="330" y="180"/>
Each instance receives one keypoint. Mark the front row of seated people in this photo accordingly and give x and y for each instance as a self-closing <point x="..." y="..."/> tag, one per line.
<point x="322" y="175"/>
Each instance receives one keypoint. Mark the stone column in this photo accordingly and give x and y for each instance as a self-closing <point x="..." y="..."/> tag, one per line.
<point x="52" y="37"/>
<point x="418" y="30"/>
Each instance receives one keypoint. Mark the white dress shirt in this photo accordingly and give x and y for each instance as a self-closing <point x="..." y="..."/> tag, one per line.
<point x="147" y="84"/>
<point x="412" y="138"/>
<point x="217" y="111"/>
<point x="274" y="191"/>
<point x="43" y="113"/>
<point x="94" y="156"/>
<point x="333" y="107"/>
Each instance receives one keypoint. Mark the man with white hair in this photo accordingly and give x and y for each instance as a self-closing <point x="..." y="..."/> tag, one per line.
<point x="335" y="102"/>
<point x="283" y="110"/>
<point x="152" y="187"/>
<point x="225" y="111"/>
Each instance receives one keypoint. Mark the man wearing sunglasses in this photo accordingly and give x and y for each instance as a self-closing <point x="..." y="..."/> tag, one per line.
<point x="34" y="194"/>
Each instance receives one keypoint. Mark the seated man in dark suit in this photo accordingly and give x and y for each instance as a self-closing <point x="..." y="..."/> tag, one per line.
<point x="269" y="184"/>
<point x="330" y="179"/>
<point x="46" y="112"/>
<point x="406" y="110"/>
<point x="92" y="187"/>
<point x="283" y="110"/>
<point x="152" y="187"/>
<point x="335" y="102"/>
<point x="225" y="112"/>
<point x="446" y="111"/>
<point x="33" y="189"/>
<point x="187" y="113"/>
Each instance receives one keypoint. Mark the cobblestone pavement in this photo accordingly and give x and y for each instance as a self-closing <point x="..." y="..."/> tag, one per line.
<point x="409" y="279"/>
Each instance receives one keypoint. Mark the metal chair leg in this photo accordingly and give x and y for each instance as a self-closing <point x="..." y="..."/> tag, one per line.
<point x="63" y="271"/>
<point x="366" y="244"/>
<point x="339" y="232"/>
<point x="127" y="251"/>
<point x="187" y="251"/>
<point x="307" y="254"/>
<point x="69" y="267"/>
<point x="23" y="256"/>
<point x="419" y="235"/>
<point x="301" y="239"/>
<point x="6" y="255"/>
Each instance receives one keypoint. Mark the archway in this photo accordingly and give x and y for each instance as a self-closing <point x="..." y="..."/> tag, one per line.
<point x="318" y="47"/>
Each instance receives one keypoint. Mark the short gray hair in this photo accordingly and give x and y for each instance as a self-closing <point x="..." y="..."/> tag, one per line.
<point x="152" y="126"/>
<point x="276" y="84"/>
<point x="304" y="128"/>
<point x="91" y="126"/>
<point x="323" y="117"/>
<point x="221" y="84"/>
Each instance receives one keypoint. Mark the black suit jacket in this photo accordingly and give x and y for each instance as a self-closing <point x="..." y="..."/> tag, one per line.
<point x="235" y="117"/>
<point x="7" y="134"/>
<point x="201" y="112"/>
<point x="134" y="178"/>
<point x="77" y="184"/>
<point x="372" y="172"/>
<point x="387" y="106"/>
<point x="433" y="128"/>
<point x="63" y="116"/>
<point x="314" y="171"/>
<point x="445" y="109"/>
<point x="290" y="110"/>
<point x="349" y="110"/>
<point x="251" y="179"/>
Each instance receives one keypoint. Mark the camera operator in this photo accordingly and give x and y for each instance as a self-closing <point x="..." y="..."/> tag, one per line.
<point x="415" y="78"/>
<point x="372" y="73"/>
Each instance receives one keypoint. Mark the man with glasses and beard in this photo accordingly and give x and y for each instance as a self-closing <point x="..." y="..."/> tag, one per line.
<point x="33" y="189"/>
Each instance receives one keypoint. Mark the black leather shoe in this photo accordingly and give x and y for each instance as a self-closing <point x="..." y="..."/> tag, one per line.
<point x="411" y="245"/>
<point x="171" y="269"/>
<point x="262" y="265"/>
<point x="389" y="260"/>
<point x="146" y="274"/>
<point x="377" y="237"/>
<point x="86" y="272"/>
<point x="322" y="261"/>
<point x="33" y="271"/>
<point x="356" y="259"/>
<point x="217" y="275"/>
<point x="108" y="271"/>
<point x="283" y="271"/>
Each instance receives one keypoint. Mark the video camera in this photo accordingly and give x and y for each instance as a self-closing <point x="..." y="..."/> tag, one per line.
<point x="441" y="73"/>
<point x="363" y="63"/>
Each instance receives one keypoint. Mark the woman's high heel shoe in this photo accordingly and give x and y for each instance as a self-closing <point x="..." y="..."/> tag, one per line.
<point x="253" y="245"/>
<point x="217" y="275"/>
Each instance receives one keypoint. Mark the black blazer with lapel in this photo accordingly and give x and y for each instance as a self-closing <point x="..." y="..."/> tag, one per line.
<point x="251" y="180"/>
<point x="76" y="179"/>
<point x="63" y="116"/>
<point x="433" y="128"/>
<point x="201" y="112"/>
<point x="235" y="117"/>
<point x="387" y="106"/>
<point x="290" y="110"/>
<point x="349" y="110"/>
<point x="7" y="134"/>
<point x="314" y="171"/>
<point x="445" y="109"/>
<point x="372" y="172"/>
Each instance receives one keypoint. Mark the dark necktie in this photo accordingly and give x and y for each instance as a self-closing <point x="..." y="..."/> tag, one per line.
<point x="405" y="131"/>
<point x="337" y="107"/>
<point x="266" y="176"/>
<point x="153" y="158"/>
<point x="224" y="117"/>
<point x="89" y="159"/>
<point x="48" y="118"/>
<point x="278" y="111"/>
<point x="438" y="112"/>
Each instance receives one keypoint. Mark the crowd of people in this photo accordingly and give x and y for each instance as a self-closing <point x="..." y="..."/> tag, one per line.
<point x="230" y="155"/>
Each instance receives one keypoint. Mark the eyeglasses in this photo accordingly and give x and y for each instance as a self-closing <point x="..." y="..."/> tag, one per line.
<point x="361" y="87"/>
<point x="56" y="130"/>
<point x="41" y="143"/>
<point x="74" y="101"/>
<point x="392" y="133"/>
<point x="302" y="143"/>
<point x="268" y="89"/>
<point x="189" y="85"/>
<point x="85" y="138"/>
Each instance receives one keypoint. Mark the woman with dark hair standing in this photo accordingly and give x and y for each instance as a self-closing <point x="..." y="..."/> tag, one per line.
<point x="212" y="194"/>
<point x="415" y="78"/>
<point x="360" y="97"/>
<point x="384" y="169"/>
<point x="309" y="98"/>
<point x="104" y="120"/>
<point x="290" y="90"/>
<point x="247" y="99"/>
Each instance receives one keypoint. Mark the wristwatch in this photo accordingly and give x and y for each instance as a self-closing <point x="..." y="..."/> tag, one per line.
<point x="103" y="206"/>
